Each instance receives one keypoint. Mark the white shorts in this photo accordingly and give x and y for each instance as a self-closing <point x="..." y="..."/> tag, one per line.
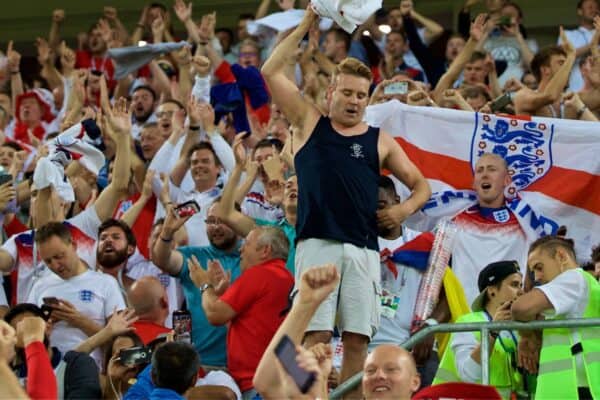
<point x="356" y="300"/>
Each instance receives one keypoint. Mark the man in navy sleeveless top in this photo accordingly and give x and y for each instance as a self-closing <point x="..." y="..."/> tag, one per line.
<point x="338" y="159"/>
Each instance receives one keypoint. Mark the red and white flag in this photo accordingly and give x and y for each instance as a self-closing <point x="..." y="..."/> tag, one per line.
<point x="554" y="164"/>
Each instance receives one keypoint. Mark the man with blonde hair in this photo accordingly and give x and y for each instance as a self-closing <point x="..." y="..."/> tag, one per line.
<point x="338" y="158"/>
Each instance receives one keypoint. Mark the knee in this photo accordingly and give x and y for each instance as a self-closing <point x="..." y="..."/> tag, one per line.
<point x="355" y="342"/>
<point x="314" y="337"/>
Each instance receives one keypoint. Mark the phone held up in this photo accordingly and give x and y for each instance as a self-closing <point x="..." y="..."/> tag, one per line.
<point x="187" y="209"/>
<point x="286" y="353"/>
<point x="182" y="325"/>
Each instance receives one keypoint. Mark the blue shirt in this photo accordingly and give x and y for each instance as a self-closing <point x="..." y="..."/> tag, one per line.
<point x="143" y="386"/>
<point x="162" y="393"/>
<point x="209" y="340"/>
<point x="290" y="233"/>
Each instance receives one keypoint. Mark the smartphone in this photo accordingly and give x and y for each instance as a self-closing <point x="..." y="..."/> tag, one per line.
<point x="51" y="301"/>
<point x="504" y="20"/>
<point x="187" y="209"/>
<point x="396" y="88"/>
<point x="5" y="178"/>
<point x="286" y="353"/>
<point x="500" y="102"/>
<point x="135" y="356"/>
<point x="46" y="312"/>
<point x="182" y="325"/>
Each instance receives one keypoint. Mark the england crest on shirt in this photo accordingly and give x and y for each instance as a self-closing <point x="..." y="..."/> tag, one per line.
<point x="525" y="145"/>
<point x="501" y="215"/>
<point x="86" y="295"/>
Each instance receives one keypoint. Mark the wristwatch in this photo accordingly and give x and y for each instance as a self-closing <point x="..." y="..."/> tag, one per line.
<point x="206" y="286"/>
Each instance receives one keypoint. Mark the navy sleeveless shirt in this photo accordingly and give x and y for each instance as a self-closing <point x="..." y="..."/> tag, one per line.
<point x="338" y="186"/>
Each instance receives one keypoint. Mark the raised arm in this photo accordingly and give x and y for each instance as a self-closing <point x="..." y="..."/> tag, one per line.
<point x="132" y="214"/>
<point x="433" y="30"/>
<point x="184" y="13"/>
<point x="58" y="16"/>
<point x="315" y="285"/>
<point x="119" y="323"/>
<point x="118" y="126"/>
<point x="11" y="387"/>
<point x="284" y="92"/>
<point x="183" y="57"/>
<point x="527" y="101"/>
<point x="225" y="209"/>
<point x="163" y="255"/>
<point x="110" y="13"/>
<point x="46" y="60"/>
<point x="14" y="68"/>
<point x="263" y="9"/>
<point x="446" y="81"/>
<point x="138" y="33"/>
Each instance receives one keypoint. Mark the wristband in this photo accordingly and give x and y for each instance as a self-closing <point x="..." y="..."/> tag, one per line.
<point x="166" y="240"/>
<point x="581" y="111"/>
<point x="14" y="72"/>
<point x="194" y="127"/>
<point x="140" y="25"/>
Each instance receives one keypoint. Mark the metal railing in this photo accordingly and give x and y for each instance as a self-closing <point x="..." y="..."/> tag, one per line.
<point x="484" y="328"/>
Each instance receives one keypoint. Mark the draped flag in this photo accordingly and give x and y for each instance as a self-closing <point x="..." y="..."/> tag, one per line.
<point x="553" y="163"/>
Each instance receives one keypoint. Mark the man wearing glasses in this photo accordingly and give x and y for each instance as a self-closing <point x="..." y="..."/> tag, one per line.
<point x="224" y="247"/>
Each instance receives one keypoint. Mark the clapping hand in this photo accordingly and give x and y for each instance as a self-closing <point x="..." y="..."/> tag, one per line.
<point x="219" y="278"/>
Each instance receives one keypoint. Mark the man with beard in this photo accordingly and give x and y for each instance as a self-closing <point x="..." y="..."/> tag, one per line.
<point x="143" y="101"/>
<point x="117" y="255"/>
<point x="224" y="247"/>
<point x="82" y="300"/>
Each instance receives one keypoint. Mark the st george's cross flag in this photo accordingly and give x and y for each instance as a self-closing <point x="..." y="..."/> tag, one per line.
<point x="554" y="165"/>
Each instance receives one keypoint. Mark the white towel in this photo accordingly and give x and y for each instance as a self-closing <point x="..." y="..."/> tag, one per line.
<point x="130" y="59"/>
<point x="79" y="146"/>
<point x="49" y="173"/>
<point x="72" y="144"/>
<point x="281" y="22"/>
<point x="348" y="14"/>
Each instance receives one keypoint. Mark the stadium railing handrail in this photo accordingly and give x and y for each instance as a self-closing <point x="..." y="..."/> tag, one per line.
<point x="485" y="328"/>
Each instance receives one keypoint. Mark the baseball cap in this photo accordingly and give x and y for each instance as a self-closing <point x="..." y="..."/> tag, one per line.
<point x="492" y="274"/>
<point x="23" y="308"/>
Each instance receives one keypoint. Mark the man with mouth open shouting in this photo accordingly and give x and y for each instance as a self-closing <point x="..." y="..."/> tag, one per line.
<point x="488" y="231"/>
<point x="338" y="160"/>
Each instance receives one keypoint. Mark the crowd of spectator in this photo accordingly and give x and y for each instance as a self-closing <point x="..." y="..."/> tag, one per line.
<point x="175" y="214"/>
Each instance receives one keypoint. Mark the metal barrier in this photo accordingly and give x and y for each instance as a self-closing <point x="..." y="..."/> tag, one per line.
<point x="484" y="328"/>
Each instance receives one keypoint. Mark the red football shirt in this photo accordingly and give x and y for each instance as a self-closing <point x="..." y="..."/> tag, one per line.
<point x="258" y="297"/>
<point x="148" y="331"/>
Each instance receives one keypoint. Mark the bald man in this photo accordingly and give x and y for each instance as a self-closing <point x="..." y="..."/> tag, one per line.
<point x="390" y="373"/>
<point x="489" y="231"/>
<point x="148" y="297"/>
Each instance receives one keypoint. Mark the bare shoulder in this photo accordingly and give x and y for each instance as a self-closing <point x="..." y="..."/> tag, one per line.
<point x="388" y="147"/>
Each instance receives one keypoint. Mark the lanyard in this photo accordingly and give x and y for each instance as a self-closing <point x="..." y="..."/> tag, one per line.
<point x="514" y="338"/>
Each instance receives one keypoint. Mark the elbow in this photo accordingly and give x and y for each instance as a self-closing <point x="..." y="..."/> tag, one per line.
<point x="214" y="319"/>
<point x="266" y="71"/>
<point x="221" y="212"/>
<point x="260" y="386"/>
